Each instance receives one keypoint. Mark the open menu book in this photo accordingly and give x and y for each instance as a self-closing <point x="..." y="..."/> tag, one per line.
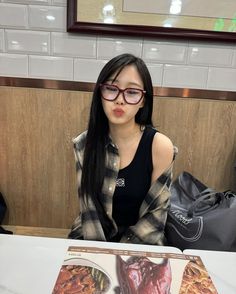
<point x="97" y="271"/>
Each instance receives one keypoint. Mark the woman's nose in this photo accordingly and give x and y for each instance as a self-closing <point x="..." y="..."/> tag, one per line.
<point x="120" y="99"/>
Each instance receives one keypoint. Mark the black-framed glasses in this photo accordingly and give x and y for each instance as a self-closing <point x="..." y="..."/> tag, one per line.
<point x="131" y="95"/>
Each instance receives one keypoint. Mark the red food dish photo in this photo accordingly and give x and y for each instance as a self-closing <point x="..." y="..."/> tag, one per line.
<point x="78" y="278"/>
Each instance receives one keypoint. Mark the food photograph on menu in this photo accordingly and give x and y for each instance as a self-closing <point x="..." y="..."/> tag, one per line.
<point x="100" y="271"/>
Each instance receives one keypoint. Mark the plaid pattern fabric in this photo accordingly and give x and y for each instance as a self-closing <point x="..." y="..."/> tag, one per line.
<point x="153" y="212"/>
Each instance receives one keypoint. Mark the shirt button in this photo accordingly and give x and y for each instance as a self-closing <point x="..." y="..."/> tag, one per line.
<point x="114" y="164"/>
<point x="110" y="188"/>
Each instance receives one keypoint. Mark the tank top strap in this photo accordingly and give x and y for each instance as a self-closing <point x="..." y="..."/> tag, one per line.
<point x="145" y="146"/>
<point x="148" y="135"/>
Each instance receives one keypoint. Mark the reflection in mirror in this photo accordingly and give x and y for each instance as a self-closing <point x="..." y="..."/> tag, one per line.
<point x="175" y="7"/>
<point x="108" y="13"/>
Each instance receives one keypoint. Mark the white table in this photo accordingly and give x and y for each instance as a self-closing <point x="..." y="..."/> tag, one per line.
<point x="30" y="265"/>
<point x="221" y="267"/>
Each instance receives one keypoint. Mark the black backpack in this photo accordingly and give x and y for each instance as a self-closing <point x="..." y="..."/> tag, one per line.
<point x="3" y="209"/>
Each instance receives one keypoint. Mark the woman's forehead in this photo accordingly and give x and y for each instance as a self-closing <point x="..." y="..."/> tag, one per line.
<point x="128" y="73"/>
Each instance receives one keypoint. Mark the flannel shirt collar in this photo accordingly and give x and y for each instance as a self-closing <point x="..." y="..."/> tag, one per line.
<point x="109" y="142"/>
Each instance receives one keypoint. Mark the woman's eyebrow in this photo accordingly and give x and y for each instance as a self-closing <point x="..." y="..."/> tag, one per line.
<point x="130" y="83"/>
<point x="111" y="80"/>
<point x="135" y="84"/>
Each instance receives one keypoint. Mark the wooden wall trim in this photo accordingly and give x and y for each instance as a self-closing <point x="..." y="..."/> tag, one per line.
<point x="88" y="87"/>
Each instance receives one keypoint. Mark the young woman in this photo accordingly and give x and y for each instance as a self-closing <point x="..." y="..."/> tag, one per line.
<point x="124" y="165"/>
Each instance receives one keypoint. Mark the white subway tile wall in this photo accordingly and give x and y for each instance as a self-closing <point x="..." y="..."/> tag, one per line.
<point x="34" y="43"/>
<point x="109" y="47"/>
<point x="164" y="52"/>
<point x="51" y="67"/>
<point x="48" y="18"/>
<point x="13" y="65"/>
<point x="156" y="71"/>
<point x="181" y="76"/>
<point x="1" y="40"/>
<point x="87" y="70"/>
<point x="234" y="58"/>
<point x="221" y="78"/>
<point x="13" y="16"/>
<point x="59" y="2"/>
<point x="210" y="55"/>
<point x="31" y="42"/>
<point x="41" y="2"/>
<point x="64" y="44"/>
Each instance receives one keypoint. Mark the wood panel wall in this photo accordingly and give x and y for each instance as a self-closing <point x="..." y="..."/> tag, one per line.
<point x="37" y="170"/>
<point x="205" y="133"/>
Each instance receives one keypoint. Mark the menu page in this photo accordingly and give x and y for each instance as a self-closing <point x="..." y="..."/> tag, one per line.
<point x="97" y="271"/>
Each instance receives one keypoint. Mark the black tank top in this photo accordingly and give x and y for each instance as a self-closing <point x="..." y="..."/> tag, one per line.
<point x="133" y="182"/>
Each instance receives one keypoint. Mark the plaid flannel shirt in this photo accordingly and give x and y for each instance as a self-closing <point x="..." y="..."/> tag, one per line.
<point x="152" y="214"/>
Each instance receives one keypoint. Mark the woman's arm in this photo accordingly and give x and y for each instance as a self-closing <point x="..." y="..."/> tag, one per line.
<point x="162" y="155"/>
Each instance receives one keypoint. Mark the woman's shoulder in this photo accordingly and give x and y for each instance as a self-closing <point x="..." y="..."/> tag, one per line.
<point x="161" y="143"/>
<point x="79" y="141"/>
<point x="163" y="146"/>
<point x="161" y="140"/>
<point x="163" y="153"/>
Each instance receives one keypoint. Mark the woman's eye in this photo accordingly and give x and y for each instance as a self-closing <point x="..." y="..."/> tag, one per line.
<point x="132" y="92"/>
<point x="111" y="89"/>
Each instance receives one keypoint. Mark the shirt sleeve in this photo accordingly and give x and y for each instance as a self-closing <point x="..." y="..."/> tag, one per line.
<point x="76" y="230"/>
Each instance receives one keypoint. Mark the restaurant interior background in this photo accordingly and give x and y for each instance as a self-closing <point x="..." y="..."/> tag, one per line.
<point x="37" y="171"/>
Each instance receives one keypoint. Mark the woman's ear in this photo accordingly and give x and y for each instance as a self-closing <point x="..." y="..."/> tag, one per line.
<point x="142" y="103"/>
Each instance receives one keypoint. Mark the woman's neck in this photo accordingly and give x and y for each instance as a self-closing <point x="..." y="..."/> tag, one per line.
<point x="121" y="134"/>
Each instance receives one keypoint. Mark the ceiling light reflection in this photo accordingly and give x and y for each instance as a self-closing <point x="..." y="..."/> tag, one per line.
<point x="167" y="25"/>
<point x="108" y="8"/>
<point x="108" y="20"/>
<point x="108" y="13"/>
<point x="175" y="7"/>
<point x="50" y="17"/>
<point x="16" y="45"/>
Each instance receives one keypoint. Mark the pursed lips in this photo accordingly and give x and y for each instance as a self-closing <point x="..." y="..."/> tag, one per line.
<point x="118" y="111"/>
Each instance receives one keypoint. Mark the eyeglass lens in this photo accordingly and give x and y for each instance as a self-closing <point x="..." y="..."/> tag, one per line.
<point x="131" y="95"/>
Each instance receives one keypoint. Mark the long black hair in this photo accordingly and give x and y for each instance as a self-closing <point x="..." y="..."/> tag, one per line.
<point x="93" y="170"/>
